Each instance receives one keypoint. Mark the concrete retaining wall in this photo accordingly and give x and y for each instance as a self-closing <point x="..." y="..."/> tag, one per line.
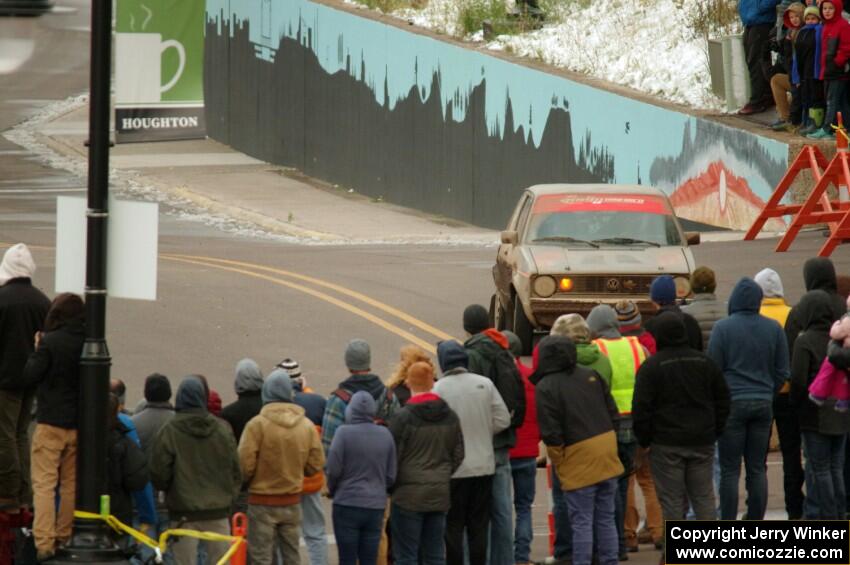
<point x="431" y="124"/>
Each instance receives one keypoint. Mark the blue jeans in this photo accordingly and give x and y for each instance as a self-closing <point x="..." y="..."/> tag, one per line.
<point x="418" y="534"/>
<point x="358" y="533"/>
<point x="746" y="436"/>
<point x="826" y="454"/>
<point x="563" y="532"/>
<point x="592" y="518"/>
<point x="836" y="101"/>
<point x="524" y="472"/>
<point x="501" y="548"/>
<point x="313" y="528"/>
<point x="626" y="451"/>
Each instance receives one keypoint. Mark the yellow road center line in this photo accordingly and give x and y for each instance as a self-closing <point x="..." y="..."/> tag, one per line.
<point x="439" y="334"/>
<point x="212" y="262"/>
<point x="316" y="294"/>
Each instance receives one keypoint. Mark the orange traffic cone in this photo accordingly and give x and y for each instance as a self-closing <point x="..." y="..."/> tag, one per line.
<point x="239" y="527"/>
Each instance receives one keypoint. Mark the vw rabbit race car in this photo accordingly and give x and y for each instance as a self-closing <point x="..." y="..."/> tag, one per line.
<point x="570" y="247"/>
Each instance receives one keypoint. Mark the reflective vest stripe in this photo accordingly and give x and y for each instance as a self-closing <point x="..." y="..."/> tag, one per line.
<point x="623" y="371"/>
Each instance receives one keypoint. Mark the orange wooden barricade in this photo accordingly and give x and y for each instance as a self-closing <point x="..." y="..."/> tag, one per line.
<point x="818" y="208"/>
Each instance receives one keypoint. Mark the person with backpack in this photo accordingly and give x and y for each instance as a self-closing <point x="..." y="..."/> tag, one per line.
<point x="626" y="355"/>
<point x="482" y="414"/>
<point x="358" y="360"/>
<point x="489" y="356"/>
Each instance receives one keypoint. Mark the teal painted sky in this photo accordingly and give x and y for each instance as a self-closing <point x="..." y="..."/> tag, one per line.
<point x="393" y="54"/>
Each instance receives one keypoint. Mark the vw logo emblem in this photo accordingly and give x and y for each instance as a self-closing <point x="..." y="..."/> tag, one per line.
<point x="613" y="285"/>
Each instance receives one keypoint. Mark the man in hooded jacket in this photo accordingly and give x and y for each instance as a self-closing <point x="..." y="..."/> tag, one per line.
<point x="577" y="418"/>
<point x="23" y="309"/>
<point x="248" y="385"/>
<point x="279" y="447"/>
<point x="752" y="352"/>
<point x="680" y="408"/>
<point x="194" y="461"/>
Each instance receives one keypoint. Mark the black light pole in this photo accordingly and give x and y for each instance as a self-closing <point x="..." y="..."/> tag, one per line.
<point x="91" y="541"/>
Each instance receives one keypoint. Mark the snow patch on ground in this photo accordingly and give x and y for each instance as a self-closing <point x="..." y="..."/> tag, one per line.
<point x="644" y="45"/>
<point x="132" y="185"/>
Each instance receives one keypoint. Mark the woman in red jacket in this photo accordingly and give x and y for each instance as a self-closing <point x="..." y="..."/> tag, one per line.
<point x="524" y="457"/>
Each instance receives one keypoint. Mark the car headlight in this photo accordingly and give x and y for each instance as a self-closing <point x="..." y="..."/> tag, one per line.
<point x="545" y="286"/>
<point x="683" y="287"/>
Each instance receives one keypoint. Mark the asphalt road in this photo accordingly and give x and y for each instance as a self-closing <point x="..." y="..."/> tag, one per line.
<point x="223" y="297"/>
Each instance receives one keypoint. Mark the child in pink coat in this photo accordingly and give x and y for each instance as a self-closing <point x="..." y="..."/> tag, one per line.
<point x="831" y="381"/>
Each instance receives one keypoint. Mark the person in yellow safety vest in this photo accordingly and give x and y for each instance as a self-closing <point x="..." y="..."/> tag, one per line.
<point x="626" y="355"/>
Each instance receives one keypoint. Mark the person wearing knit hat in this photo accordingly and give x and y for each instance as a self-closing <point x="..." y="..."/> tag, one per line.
<point x="312" y="508"/>
<point x="489" y="355"/>
<point x="662" y="292"/>
<point x="629" y="318"/>
<point x="30" y="306"/>
<point x="807" y="55"/>
<point x="705" y="307"/>
<point x="626" y="354"/>
<point x="279" y="447"/>
<point x="248" y="384"/>
<point x="476" y="319"/>
<point x="358" y="360"/>
<point x="482" y="414"/>
<point x="575" y="327"/>
<point x="430" y="448"/>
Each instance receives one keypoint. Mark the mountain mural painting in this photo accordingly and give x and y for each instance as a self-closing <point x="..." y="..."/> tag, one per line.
<point x="429" y="124"/>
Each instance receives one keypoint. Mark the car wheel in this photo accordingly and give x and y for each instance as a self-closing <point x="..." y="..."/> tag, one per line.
<point x="522" y="327"/>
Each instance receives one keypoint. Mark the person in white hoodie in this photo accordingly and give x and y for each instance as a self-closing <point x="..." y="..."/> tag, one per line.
<point x="482" y="414"/>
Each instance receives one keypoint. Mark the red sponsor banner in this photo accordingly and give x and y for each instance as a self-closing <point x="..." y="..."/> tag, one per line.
<point x="643" y="203"/>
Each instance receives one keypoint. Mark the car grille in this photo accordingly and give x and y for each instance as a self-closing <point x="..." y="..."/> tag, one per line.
<point x="611" y="284"/>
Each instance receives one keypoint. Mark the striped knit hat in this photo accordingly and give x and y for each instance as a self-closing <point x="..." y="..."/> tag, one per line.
<point x="627" y="313"/>
<point x="292" y="368"/>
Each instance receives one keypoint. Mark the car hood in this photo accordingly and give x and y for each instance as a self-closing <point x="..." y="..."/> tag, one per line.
<point x="552" y="259"/>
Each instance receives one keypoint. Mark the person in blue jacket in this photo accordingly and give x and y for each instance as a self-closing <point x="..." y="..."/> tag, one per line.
<point x="759" y="18"/>
<point x="752" y="352"/>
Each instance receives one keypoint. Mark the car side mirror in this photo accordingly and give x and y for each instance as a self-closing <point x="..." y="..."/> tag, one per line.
<point x="693" y="237"/>
<point x="509" y="237"/>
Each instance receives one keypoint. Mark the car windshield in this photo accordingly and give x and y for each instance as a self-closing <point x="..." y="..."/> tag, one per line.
<point x="594" y="220"/>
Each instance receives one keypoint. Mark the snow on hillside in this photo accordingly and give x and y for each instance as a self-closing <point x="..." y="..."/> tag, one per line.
<point x="648" y="46"/>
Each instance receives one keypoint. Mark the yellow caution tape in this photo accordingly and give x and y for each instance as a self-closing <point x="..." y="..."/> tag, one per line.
<point x="161" y="545"/>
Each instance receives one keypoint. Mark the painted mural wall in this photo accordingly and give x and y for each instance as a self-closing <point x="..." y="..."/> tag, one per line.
<point x="431" y="125"/>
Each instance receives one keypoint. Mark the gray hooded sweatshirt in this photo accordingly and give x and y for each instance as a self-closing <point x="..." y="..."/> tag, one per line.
<point x="361" y="464"/>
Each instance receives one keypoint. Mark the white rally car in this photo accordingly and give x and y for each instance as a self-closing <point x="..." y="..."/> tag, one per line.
<point x="570" y="247"/>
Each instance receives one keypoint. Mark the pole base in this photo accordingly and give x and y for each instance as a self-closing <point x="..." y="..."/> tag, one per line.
<point x="91" y="543"/>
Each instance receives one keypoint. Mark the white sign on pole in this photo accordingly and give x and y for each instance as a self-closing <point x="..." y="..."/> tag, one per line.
<point x="131" y="264"/>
